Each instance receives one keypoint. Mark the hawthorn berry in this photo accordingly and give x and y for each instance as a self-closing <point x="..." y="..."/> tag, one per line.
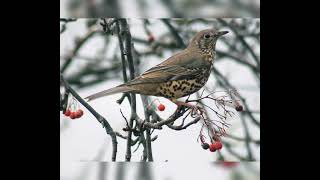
<point x="205" y="146"/>
<point x="80" y="110"/>
<point x="73" y="115"/>
<point x="239" y="108"/>
<point x="212" y="147"/>
<point x="67" y="113"/>
<point x="79" y="113"/>
<point x="161" y="107"/>
<point x="218" y="145"/>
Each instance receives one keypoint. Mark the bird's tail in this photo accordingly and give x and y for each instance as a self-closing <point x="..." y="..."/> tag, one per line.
<point x="115" y="90"/>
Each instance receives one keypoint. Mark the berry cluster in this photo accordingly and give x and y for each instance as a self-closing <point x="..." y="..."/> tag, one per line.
<point x="73" y="111"/>
<point x="73" y="114"/>
<point x="216" y="145"/>
<point x="213" y="146"/>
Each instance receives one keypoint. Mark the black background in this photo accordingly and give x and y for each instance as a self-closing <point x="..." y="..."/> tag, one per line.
<point x="30" y="85"/>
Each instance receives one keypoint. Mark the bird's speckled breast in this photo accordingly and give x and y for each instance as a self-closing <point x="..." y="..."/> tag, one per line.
<point x="180" y="88"/>
<point x="210" y="57"/>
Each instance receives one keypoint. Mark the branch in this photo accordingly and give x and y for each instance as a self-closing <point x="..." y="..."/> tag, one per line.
<point x="100" y="119"/>
<point x="252" y="67"/>
<point x="225" y="83"/>
<point x="242" y="40"/>
<point x="125" y="33"/>
<point x="79" y="44"/>
<point x="232" y="152"/>
<point x="160" y="122"/>
<point x="64" y="101"/>
<point x="145" y="149"/>
<point x="121" y="136"/>
<point x="148" y="135"/>
<point x="242" y="139"/>
<point x="184" y="127"/>
<point x="123" y="59"/>
<point x="174" y="33"/>
<point x="66" y="20"/>
<point x="247" y="135"/>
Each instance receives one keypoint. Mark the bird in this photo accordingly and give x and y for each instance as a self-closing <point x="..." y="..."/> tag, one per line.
<point x="182" y="74"/>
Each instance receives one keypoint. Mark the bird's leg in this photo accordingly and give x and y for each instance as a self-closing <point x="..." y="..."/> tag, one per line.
<point x="194" y="108"/>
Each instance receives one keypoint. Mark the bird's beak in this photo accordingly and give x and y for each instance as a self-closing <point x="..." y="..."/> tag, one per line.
<point x="221" y="33"/>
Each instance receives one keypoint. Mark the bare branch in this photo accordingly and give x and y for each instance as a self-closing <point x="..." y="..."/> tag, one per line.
<point x="101" y="119"/>
<point x="127" y="50"/>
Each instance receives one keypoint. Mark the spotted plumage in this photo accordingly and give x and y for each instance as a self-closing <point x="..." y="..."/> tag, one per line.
<point x="180" y="75"/>
<point x="185" y="87"/>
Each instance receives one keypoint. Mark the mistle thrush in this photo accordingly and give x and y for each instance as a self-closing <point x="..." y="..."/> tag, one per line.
<point x="180" y="75"/>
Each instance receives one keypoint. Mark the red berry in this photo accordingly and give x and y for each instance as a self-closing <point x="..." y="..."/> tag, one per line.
<point x="161" y="107"/>
<point x="239" y="108"/>
<point x="67" y="113"/>
<point x="212" y="147"/>
<point x="218" y="145"/>
<point x="73" y="115"/>
<point x="80" y="110"/>
<point x="79" y="113"/>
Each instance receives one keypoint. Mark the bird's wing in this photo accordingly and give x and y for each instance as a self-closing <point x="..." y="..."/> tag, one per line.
<point x="161" y="74"/>
<point x="180" y="66"/>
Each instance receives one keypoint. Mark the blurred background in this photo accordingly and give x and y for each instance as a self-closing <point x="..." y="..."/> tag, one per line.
<point x="90" y="60"/>
<point x="161" y="171"/>
<point x="160" y="8"/>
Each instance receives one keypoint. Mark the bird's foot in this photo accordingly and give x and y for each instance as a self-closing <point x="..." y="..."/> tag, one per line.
<point x="194" y="108"/>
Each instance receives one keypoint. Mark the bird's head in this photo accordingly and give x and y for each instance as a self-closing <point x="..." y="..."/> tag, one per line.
<point x="206" y="39"/>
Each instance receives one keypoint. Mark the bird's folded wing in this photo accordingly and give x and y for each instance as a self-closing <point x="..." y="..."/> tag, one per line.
<point x="185" y="64"/>
<point x="161" y="74"/>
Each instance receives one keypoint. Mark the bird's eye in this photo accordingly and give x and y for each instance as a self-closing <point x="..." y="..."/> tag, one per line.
<point x="207" y="36"/>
